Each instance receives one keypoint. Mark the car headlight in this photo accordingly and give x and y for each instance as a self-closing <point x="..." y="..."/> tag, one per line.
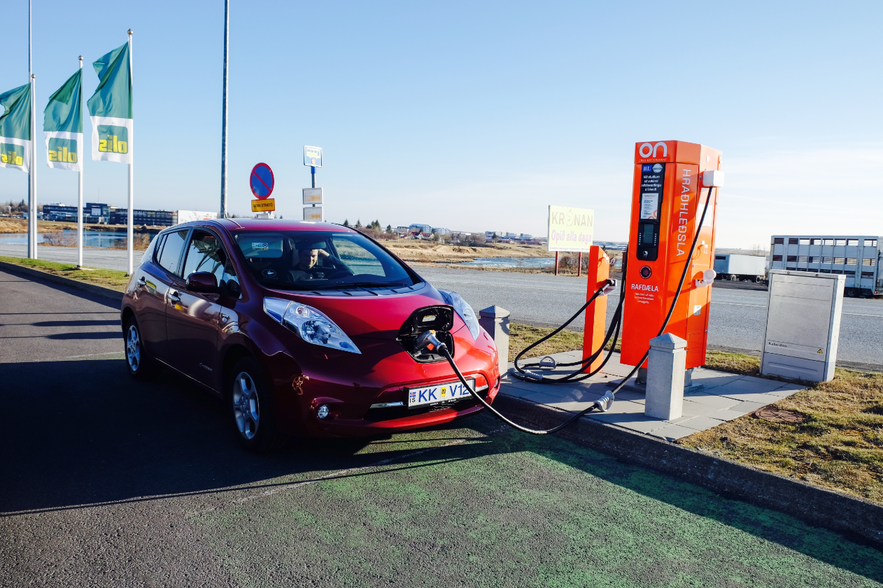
<point x="463" y="309"/>
<point x="309" y="323"/>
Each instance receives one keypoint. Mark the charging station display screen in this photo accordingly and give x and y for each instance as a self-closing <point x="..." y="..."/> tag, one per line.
<point x="652" y="182"/>
<point x="652" y="186"/>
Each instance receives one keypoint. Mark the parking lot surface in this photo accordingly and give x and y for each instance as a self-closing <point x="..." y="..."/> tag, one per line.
<point x="111" y="482"/>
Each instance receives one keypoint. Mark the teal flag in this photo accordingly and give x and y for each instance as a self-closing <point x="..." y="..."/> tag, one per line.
<point x="15" y="128"/>
<point x="111" y="107"/>
<point x="63" y="125"/>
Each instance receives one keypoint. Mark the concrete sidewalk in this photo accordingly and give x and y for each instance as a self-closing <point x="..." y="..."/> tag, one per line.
<point x="714" y="398"/>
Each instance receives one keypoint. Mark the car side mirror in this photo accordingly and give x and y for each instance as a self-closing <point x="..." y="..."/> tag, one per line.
<point x="204" y="282"/>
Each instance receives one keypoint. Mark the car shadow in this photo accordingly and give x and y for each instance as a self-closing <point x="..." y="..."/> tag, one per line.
<point x="82" y="432"/>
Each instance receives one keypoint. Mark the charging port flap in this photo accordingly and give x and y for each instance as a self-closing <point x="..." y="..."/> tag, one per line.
<point x="429" y="318"/>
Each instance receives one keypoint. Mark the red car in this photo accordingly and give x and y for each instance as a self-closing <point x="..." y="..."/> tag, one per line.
<point x="304" y="329"/>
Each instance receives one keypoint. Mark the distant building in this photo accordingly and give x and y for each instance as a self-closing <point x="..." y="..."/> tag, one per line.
<point x="151" y="218"/>
<point x="158" y="218"/>
<point x="420" y="231"/>
<point x="93" y="213"/>
<point x="465" y="237"/>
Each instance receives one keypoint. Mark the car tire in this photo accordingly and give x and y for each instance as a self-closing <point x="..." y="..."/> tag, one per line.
<point x="251" y="409"/>
<point x="138" y="362"/>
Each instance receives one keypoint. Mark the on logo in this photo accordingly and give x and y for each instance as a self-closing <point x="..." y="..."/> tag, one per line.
<point x="647" y="150"/>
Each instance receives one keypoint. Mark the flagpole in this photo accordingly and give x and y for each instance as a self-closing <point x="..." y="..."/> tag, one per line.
<point x="224" y="114"/>
<point x="80" y="183"/>
<point x="130" y="229"/>
<point x="32" y="171"/>
<point x="32" y="168"/>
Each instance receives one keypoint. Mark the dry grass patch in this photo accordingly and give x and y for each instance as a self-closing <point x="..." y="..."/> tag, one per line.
<point x="838" y="446"/>
<point x="736" y="363"/>
<point x="521" y="336"/>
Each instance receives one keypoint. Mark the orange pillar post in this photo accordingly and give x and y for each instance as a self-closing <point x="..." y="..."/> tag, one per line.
<point x="596" y="313"/>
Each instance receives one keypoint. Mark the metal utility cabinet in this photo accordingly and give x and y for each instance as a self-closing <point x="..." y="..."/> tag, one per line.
<point x="856" y="257"/>
<point x="803" y="325"/>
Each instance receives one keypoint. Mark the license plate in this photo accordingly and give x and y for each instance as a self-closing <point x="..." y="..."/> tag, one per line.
<point x="439" y="393"/>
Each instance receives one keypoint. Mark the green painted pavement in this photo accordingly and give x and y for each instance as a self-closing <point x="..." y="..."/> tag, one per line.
<point x="455" y="507"/>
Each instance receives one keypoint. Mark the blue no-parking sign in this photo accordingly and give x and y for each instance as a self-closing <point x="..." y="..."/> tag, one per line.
<point x="262" y="181"/>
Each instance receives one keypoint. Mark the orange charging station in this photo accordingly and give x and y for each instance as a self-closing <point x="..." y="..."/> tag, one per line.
<point x="670" y="187"/>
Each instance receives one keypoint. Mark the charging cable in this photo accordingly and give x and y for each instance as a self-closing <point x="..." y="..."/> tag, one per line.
<point x="429" y="340"/>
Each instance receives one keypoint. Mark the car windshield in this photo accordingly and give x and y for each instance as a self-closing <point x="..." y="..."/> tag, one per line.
<point x="320" y="260"/>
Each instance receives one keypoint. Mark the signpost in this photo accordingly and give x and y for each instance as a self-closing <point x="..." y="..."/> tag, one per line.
<point x="266" y="205"/>
<point x="313" y="213"/>
<point x="262" y="182"/>
<point x="313" y="196"/>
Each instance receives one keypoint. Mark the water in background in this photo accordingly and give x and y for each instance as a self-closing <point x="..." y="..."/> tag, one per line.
<point x="90" y="238"/>
<point x="509" y="262"/>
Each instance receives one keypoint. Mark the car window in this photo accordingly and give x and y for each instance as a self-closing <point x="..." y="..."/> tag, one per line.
<point x="205" y="253"/>
<point x="312" y="260"/>
<point x="170" y="255"/>
<point x="359" y="259"/>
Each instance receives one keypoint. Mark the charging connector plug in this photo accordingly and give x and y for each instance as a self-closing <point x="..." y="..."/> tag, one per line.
<point x="526" y="375"/>
<point x="428" y="341"/>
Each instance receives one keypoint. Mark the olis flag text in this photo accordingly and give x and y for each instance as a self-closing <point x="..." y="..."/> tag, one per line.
<point x="63" y="126"/>
<point x="111" y="108"/>
<point x="15" y="128"/>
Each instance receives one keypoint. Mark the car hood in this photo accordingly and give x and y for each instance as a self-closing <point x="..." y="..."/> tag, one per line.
<point x="377" y="316"/>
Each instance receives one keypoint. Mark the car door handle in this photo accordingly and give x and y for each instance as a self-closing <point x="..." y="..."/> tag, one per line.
<point x="142" y="281"/>
<point x="174" y="296"/>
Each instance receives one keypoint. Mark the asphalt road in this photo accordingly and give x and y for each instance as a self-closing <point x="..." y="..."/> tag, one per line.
<point x="736" y="322"/>
<point x="110" y="482"/>
<point x="737" y="318"/>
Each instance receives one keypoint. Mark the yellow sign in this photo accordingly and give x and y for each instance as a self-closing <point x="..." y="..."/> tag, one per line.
<point x="267" y="205"/>
<point x="570" y="229"/>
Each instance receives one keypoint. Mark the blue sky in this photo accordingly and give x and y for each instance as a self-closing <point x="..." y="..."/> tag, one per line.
<point x="478" y="115"/>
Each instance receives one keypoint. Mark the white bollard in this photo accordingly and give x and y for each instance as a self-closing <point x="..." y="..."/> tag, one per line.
<point x="495" y="321"/>
<point x="665" y="377"/>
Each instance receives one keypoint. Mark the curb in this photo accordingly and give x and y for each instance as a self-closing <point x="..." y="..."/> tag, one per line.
<point x="851" y="516"/>
<point x="27" y="272"/>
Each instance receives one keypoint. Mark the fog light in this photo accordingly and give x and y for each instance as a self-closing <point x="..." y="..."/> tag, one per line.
<point x="323" y="412"/>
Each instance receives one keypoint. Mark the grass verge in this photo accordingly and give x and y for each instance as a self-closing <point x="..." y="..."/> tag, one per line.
<point x="113" y="279"/>
<point x="839" y="444"/>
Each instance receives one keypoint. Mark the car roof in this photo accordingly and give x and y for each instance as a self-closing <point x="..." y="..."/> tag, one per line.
<point x="235" y="225"/>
